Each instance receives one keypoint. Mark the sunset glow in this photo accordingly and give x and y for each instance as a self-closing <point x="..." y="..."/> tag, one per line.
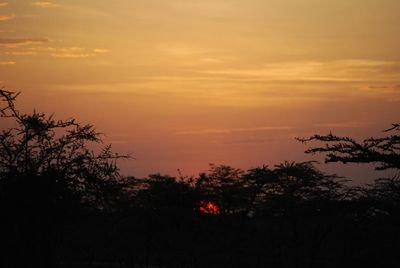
<point x="184" y="83"/>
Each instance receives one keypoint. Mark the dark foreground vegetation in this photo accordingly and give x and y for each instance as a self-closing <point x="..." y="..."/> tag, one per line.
<point x="63" y="205"/>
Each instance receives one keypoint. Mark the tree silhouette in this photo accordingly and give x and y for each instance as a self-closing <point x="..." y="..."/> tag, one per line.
<point x="385" y="151"/>
<point x="226" y="187"/>
<point x="62" y="204"/>
<point x="41" y="146"/>
<point x="48" y="172"/>
<point x="372" y="213"/>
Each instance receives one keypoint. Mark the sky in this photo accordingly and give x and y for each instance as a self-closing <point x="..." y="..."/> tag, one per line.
<point x="180" y="84"/>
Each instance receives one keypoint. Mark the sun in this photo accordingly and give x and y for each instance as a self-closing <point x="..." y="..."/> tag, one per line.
<point x="208" y="207"/>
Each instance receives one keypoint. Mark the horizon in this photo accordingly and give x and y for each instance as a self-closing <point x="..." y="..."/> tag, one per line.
<point x="181" y="84"/>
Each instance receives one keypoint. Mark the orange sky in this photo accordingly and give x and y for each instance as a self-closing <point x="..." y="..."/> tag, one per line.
<point x="184" y="83"/>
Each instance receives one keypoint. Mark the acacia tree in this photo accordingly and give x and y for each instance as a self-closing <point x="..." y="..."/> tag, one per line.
<point x="48" y="173"/>
<point x="40" y="146"/>
<point x="385" y="151"/>
<point x="226" y="187"/>
<point x="378" y="203"/>
<point x="300" y="200"/>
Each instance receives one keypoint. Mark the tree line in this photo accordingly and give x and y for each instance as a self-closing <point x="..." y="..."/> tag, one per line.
<point x="64" y="205"/>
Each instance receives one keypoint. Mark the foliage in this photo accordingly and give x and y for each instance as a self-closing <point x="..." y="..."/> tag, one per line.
<point x="39" y="147"/>
<point x="64" y="205"/>
<point x="385" y="151"/>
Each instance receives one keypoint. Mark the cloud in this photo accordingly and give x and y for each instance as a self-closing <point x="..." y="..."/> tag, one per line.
<point x="249" y="141"/>
<point x="314" y="71"/>
<point x="70" y="52"/>
<point x="21" y="53"/>
<point x="100" y="50"/>
<point x="210" y="60"/>
<point x="18" y="47"/>
<point x="17" y="42"/>
<point x="388" y="88"/>
<point x="7" y="62"/>
<point x="75" y="52"/>
<point x="7" y="17"/>
<point x="357" y="125"/>
<point x="3" y="4"/>
<point x="384" y="87"/>
<point x="232" y="130"/>
<point x="44" y="4"/>
<point x="71" y="55"/>
<point x="180" y="50"/>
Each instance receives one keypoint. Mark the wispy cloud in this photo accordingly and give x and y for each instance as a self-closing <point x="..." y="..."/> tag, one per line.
<point x="210" y="60"/>
<point x="71" y="55"/>
<point x="180" y="50"/>
<point x="232" y="130"/>
<point x="330" y="71"/>
<point x="43" y="4"/>
<point x="7" y="62"/>
<point x="35" y="46"/>
<point x="249" y="141"/>
<point x="384" y="87"/>
<point x="389" y="88"/>
<point x="17" y="42"/>
<point x="100" y="50"/>
<point x="7" y="17"/>
<point x="21" y="53"/>
<point x="75" y="52"/>
<point x="344" y="125"/>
